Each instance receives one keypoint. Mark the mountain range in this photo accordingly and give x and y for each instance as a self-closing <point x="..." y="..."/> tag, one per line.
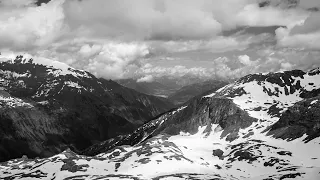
<point x="47" y="106"/>
<point x="263" y="126"/>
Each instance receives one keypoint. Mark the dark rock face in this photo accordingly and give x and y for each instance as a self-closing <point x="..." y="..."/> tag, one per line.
<point x="45" y="109"/>
<point x="218" y="153"/>
<point x="139" y="107"/>
<point x="141" y="134"/>
<point x="208" y="111"/>
<point x="200" y="112"/>
<point x="281" y="3"/>
<point x="302" y="118"/>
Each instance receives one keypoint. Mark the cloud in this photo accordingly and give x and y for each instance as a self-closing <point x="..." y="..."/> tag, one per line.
<point x="175" y="71"/>
<point x="110" y="60"/>
<point x="113" y="39"/>
<point x="286" y="66"/>
<point x="230" y="68"/>
<point x="114" y="60"/>
<point x="164" y="20"/>
<point x="28" y="27"/>
<point x="87" y="50"/>
<point x="253" y="15"/>
<point x="148" y="78"/>
<point x="306" y="41"/>
<point x="310" y="25"/>
<point x="142" y="19"/>
<point x="16" y="2"/>
<point x="270" y="59"/>
<point x="309" y="3"/>
<point x="170" y="19"/>
<point x="305" y="34"/>
<point x="245" y="60"/>
<point x="218" y="44"/>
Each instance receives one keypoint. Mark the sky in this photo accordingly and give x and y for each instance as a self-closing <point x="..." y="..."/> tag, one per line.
<point x="149" y="39"/>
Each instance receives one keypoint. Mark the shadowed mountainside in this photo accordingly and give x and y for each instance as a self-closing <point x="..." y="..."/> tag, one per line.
<point x="47" y="106"/>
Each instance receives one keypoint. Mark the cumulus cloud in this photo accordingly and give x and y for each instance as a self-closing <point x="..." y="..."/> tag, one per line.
<point x="147" y="78"/>
<point x="25" y="28"/>
<point x="147" y="19"/>
<point x="307" y="41"/>
<point x="230" y="68"/>
<point x="144" y="19"/>
<point x="310" y="25"/>
<point x="253" y="15"/>
<point x="245" y="60"/>
<point x="269" y="60"/>
<point x="286" y="66"/>
<point x="309" y="3"/>
<point x="171" y="19"/>
<point x="16" y="2"/>
<point x="113" y="39"/>
<point x="113" y="60"/>
<point x="175" y="71"/>
<point x="218" y="44"/>
<point x="306" y="34"/>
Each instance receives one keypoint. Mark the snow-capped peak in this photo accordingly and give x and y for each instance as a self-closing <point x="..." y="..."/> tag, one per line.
<point x="54" y="67"/>
<point x="265" y="96"/>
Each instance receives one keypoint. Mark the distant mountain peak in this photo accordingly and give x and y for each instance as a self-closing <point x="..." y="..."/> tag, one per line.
<point x="55" y="68"/>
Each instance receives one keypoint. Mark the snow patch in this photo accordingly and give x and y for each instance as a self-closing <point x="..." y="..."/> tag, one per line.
<point x="314" y="102"/>
<point x="13" y="102"/>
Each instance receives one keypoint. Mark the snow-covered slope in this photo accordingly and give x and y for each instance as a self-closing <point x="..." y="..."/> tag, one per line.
<point x="232" y="134"/>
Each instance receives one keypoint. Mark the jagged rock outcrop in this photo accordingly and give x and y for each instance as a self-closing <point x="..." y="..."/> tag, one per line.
<point x="279" y="3"/>
<point x="201" y="112"/>
<point x="205" y="112"/>
<point x="300" y="119"/>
